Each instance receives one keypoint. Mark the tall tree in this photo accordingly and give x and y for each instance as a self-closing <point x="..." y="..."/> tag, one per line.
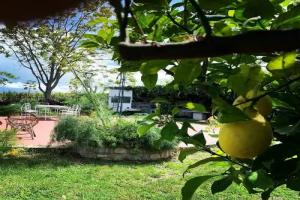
<point x="48" y="48"/>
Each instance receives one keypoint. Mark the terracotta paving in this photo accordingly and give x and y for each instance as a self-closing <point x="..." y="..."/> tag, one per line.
<point x="44" y="131"/>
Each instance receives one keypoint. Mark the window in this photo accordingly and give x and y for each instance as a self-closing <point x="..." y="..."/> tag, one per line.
<point x="117" y="99"/>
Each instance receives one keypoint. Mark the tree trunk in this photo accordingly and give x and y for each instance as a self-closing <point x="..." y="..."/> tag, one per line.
<point x="47" y="95"/>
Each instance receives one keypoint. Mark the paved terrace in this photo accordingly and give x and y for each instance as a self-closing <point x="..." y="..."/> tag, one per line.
<point x="44" y="132"/>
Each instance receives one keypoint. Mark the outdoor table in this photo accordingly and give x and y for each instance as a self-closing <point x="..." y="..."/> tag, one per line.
<point x="53" y="107"/>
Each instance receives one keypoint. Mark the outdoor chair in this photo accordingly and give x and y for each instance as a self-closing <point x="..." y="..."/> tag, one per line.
<point x="72" y="111"/>
<point x="23" y="123"/>
<point x="26" y="108"/>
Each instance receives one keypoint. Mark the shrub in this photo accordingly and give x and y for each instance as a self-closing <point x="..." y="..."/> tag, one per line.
<point x="57" y="98"/>
<point x="10" y="109"/>
<point x="7" y="140"/>
<point x="120" y="133"/>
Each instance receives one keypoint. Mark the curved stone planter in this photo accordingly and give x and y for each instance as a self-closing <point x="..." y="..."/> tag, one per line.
<point x="119" y="154"/>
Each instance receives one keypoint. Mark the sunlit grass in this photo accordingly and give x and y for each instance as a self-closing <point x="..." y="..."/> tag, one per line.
<point x="52" y="176"/>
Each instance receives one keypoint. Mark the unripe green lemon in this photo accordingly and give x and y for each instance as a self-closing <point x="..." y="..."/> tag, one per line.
<point x="246" y="139"/>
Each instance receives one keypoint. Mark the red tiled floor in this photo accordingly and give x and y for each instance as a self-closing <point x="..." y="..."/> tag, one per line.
<point x="43" y="131"/>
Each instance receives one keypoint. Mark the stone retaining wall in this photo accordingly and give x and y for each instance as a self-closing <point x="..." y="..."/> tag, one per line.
<point x="119" y="154"/>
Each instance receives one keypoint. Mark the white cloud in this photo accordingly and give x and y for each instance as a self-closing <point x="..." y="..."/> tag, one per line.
<point x="20" y="86"/>
<point x="163" y="78"/>
<point x="15" y="85"/>
<point x="62" y="88"/>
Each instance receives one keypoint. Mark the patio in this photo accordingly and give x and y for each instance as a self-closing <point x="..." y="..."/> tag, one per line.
<point x="43" y="131"/>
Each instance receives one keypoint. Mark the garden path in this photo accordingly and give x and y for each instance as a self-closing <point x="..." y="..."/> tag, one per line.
<point x="44" y="132"/>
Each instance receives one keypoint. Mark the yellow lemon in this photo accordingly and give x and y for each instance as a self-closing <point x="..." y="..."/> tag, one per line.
<point x="246" y="139"/>
<point x="264" y="105"/>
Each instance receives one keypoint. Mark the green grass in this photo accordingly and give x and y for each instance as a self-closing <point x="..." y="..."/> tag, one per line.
<point x="52" y="176"/>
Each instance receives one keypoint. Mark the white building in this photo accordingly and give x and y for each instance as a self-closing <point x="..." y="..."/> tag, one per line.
<point x="117" y="103"/>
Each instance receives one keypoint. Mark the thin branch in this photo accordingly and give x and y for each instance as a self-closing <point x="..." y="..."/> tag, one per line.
<point x="36" y="60"/>
<point x="177" y="24"/>
<point x="255" y="99"/>
<point x="169" y="72"/>
<point x="208" y="150"/>
<point x="250" y="42"/>
<point x="202" y="17"/>
<point x="123" y="20"/>
<point x="185" y="13"/>
<point x="123" y="34"/>
<point x="140" y="29"/>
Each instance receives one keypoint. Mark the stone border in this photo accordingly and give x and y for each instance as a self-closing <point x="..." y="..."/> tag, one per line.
<point x="120" y="154"/>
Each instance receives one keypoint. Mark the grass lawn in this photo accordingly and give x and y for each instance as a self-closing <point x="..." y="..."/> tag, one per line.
<point x="52" y="176"/>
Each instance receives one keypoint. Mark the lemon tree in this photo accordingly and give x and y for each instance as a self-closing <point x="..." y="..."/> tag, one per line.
<point x="243" y="54"/>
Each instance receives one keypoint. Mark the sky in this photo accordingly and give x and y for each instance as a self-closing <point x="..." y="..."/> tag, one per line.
<point x="23" y="75"/>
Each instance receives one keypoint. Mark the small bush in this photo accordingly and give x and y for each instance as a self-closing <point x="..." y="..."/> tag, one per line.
<point x="10" y="109"/>
<point x="7" y="140"/>
<point x="120" y="133"/>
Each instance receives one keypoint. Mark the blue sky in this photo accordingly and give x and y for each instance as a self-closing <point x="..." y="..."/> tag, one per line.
<point x="23" y="75"/>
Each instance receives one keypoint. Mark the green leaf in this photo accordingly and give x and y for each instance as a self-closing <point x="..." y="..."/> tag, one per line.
<point x="98" y="20"/>
<point x="152" y="67"/>
<point x="289" y="19"/>
<point x="175" y="110"/>
<point x="282" y="62"/>
<point x="150" y="80"/>
<point x="195" y="106"/>
<point x="260" y="179"/>
<point x="228" y="113"/>
<point x="278" y="152"/>
<point x="130" y="66"/>
<point x="283" y="169"/>
<point x="159" y="100"/>
<point x="197" y="139"/>
<point x="294" y="183"/>
<point x="249" y="77"/>
<point x="155" y="5"/>
<point x="222" y="29"/>
<point x="186" y="152"/>
<point x="191" y="186"/>
<point x="89" y="44"/>
<point x="185" y="127"/>
<point x="169" y="131"/>
<point x="202" y="162"/>
<point x="284" y="65"/>
<point x="263" y="8"/>
<point x="213" y="5"/>
<point x="143" y="129"/>
<point x="221" y="184"/>
<point x="187" y="71"/>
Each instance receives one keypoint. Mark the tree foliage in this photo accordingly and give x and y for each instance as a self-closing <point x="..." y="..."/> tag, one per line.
<point x="5" y="77"/>
<point x="154" y="29"/>
<point x="48" y="47"/>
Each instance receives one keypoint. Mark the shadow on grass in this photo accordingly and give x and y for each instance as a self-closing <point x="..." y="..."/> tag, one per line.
<point x="61" y="158"/>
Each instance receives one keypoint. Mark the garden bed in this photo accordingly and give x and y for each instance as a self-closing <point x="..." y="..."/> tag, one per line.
<point x="124" y="154"/>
